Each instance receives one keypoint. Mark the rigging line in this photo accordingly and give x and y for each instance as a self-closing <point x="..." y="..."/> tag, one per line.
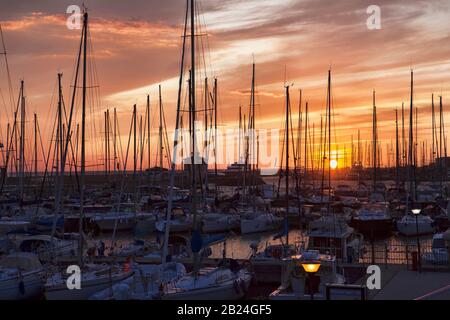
<point x="122" y="185"/>
<point x="46" y="159"/>
<point x="10" y="87"/>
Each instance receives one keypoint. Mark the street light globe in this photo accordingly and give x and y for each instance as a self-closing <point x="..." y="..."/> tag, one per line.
<point x="311" y="267"/>
<point x="416" y="211"/>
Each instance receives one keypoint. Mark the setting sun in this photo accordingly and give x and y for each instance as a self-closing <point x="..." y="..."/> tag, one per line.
<point x="333" y="164"/>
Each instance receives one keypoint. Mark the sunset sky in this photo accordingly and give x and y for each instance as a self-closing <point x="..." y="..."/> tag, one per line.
<point x="137" y="47"/>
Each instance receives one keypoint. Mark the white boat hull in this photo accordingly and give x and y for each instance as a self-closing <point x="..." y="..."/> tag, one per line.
<point x="33" y="286"/>
<point x="225" y="291"/>
<point x="254" y="225"/>
<point x="409" y="229"/>
<point x="88" y="288"/>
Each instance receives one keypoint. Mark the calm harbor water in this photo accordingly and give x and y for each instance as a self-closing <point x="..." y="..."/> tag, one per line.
<point x="238" y="246"/>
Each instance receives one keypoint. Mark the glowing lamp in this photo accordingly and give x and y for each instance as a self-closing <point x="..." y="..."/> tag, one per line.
<point x="311" y="266"/>
<point x="416" y="211"/>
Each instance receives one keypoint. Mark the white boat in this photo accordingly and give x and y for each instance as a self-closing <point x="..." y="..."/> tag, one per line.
<point x="260" y="223"/>
<point x="407" y="225"/>
<point x="332" y="235"/>
<point x="95" y="279"/>
<point x="214" y="222"/>
<point x="115" y="220"/>
<point x="295" y="285"/>
<point x="47" y="247"/>
<point x="21" y="276"/>
<point x="179" y="222"/>
<point x="145" y="222"/>
<point x="145" y="284"/>
<point x="138" y="248"/>
<point x="9" y="225"/>
<point x="215" y="283"/>
<point x="373" y="218"/>
<point x="439" y="252"/>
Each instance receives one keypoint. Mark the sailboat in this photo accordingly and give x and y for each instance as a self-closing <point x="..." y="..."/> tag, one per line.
<point x="94" y="277"/>
<point x="228" y="280"/>
<point x="21" y="276"/>
<point x="374" y="218"/>
<point x="422" y="224"/>
<point x="330" y="234"/>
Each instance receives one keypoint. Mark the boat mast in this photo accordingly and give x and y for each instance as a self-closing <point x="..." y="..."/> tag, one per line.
<point x="22" y="143"/>
<point x="397" y="164"/>
<point x="83" y="137"/>
<point x="148" y="132"/>
<point x="374" y="142"/>
<point x="329" y="139"/>
<point x="411" y="145"/>
<point x="175" y="143"/>
<point x="35" y="146"/>
<point x="115" y="141"/>
<point x="215" y="126"/>
<point x="160" y="132"/>
<point x="287" y="162"/>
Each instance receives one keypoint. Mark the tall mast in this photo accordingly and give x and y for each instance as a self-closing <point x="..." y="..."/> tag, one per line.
<point x="134" y="143"/>
<point x="441" y="138"/>
<point x="175" y="143"/>
<point x="22" y="143"/>
<point x="115" y="141"/>
<point x="329" y="139"/>
<point x="306" y="141"/>
<point x="433" y="126"/>
<point x="397" y="164"/>
<point x="215" y="126"/>
<point x="205" y="142"/>
<point x="106" y="144"/>
<point x="59" y="147"/>
<point x="374" y="142"/>
<point x="161" y="147"/>
<point x="35" y="146"/>
<point x="148" y="132"/>
<point x="411" y="144"/>
<point x="83" y="137"/>
<point x="287" y="161"/>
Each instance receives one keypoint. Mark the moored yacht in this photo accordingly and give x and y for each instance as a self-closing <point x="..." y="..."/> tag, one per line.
<point x="409" y="226"/>
<point x="21" y="276"/>
<point x="260" y="223"/>
<point x="373" y="219"/>
<point x="298" y="285"/>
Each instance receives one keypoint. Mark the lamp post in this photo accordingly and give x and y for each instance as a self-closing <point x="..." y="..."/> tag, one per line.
<point x="311" y="267"/>
<point x="416" y="213"/>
